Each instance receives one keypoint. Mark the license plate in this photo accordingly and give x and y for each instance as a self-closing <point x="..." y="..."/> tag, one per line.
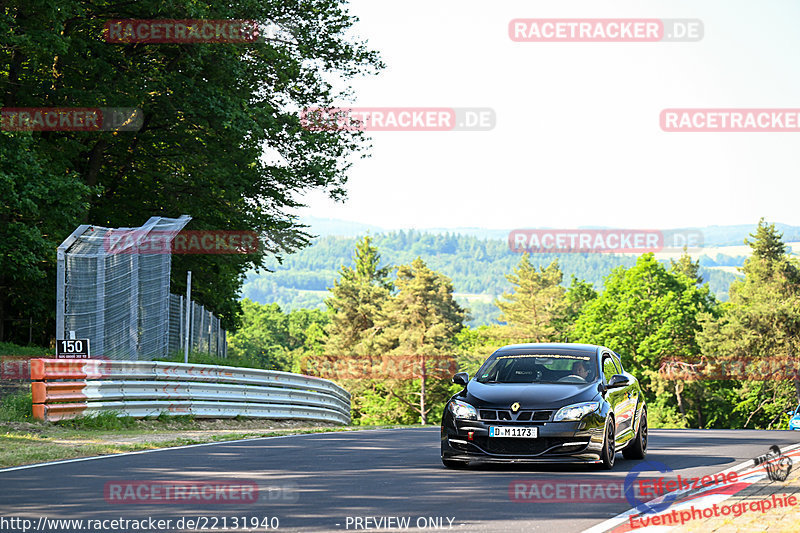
<point x="514" y="432"/>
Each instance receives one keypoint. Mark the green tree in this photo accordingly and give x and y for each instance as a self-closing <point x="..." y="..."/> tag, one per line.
<point x="420" y="321"/>
<point x="42" y="200"/>
<point x="767" y="243"/>
<point x="221" y="138"/>
<point x="357" y="301"/>
<point x="537" y="300"/>
<point x="277" y="340"/>
<point x="761" y="321"/>
<point x="578" y="294"/>
<point x="647" y="313"/>
<point x="687" y="267"/>
<point x="263" y="336"/>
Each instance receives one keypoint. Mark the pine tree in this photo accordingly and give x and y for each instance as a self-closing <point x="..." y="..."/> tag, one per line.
<point x="537" y="300"/>
<point x="358" y="297"/>
<point x="761" y="321"/>
<point x="420" y="321"/>
<point x="687" y="267"/>
<point x="767" y="242"/>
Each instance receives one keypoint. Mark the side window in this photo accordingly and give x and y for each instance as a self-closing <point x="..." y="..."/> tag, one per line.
<point x="608" y="367"/>
<point x="618" y="362"/>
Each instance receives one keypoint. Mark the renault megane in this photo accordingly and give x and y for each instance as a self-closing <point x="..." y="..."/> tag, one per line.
<point x="546" y="403"/>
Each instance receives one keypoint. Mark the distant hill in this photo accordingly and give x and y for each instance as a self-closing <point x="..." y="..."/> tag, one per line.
<point x="474" y="261"/>
<point x="331" y="227"/>
<point x="714" y="236"/>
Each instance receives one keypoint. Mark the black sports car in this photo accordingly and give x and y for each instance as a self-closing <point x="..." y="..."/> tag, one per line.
<point x="546" y="403"/>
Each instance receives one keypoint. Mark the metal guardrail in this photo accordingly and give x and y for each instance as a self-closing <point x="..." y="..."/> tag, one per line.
<point x="65" y="389"/>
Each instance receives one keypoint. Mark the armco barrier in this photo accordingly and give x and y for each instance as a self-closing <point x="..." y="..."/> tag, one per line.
<point x="65" y="389"/>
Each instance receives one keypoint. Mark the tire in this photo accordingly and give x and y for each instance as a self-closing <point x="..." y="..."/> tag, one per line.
<point x="609" y="446"/>
<point x="450" y="463"/>
<point x="638" y="448"/>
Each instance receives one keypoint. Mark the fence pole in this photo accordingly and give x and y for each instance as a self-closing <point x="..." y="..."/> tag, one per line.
<point x="181" y="324"/>
<point x="134" y="307"/>
<point x="210" y="320"/>
<point x="200" y="332"/>
<point x="219" y="338"/>
<point x="98" y="343"/>
<point x="188" y="314"/>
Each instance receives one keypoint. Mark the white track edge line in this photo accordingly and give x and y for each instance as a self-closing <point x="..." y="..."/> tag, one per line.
<point x="620" y="518"/>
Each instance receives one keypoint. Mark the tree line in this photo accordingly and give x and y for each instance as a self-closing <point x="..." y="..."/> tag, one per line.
<point x="649" y="312"/>
<point x="475" y="265"/>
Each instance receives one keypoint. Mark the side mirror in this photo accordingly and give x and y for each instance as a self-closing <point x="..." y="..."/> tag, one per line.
<point x="461" y="379"/>
<point x="617" y="381"/>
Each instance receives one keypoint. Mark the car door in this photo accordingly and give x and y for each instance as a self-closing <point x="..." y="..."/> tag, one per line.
<point x="631" y="400"/>
<point x="615" y="397"/>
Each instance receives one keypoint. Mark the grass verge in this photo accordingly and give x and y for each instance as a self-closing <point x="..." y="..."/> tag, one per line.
<point x="35" y="442"/>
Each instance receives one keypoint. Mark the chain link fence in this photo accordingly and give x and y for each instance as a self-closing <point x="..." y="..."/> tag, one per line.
<point x="206" y="333"/>
<point x="118" y="297"/>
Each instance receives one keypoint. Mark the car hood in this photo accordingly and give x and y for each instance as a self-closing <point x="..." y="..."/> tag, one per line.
<point x="529" y="395"/>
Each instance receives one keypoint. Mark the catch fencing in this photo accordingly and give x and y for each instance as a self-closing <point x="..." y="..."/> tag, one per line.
<point x="206" y="334"/>
<point x="119" y="298"/>
<point x="64" y="389"/>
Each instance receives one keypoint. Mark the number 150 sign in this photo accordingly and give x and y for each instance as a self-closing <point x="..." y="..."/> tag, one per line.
<point x="72" y="349"/>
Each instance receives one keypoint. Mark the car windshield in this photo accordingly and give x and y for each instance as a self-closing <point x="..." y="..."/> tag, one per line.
<point x="538" y="368"/>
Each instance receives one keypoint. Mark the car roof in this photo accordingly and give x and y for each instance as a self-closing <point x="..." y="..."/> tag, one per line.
<point x="539" y="346"/>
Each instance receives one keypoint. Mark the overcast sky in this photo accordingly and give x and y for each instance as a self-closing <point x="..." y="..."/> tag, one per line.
<point x="577" y="140"/>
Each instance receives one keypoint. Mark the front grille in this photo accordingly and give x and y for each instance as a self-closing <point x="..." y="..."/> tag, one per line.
<point x="505" y="446"/>
<point x="515" y="446"/>
<point x="521" y="416"/>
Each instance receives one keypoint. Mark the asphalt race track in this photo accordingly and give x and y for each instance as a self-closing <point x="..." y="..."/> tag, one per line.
<point x="315" y="482"/>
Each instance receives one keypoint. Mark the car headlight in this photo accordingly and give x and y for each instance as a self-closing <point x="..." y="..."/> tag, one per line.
<point x="576" y="411"/>
<point x="463" y="410"/>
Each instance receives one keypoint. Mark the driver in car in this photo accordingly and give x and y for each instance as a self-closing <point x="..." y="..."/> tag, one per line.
<point x="581" y="368"/>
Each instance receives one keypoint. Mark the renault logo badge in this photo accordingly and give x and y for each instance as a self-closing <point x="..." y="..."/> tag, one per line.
<point x="515" y="407"/>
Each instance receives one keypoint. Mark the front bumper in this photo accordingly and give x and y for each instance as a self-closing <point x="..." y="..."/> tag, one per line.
<point x="557" y="442"/>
